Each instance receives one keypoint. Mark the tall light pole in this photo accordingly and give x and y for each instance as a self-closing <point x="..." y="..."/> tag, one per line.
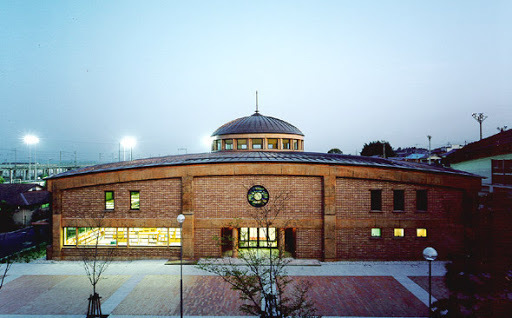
<point x="429" y="149"/>
<point x="31" y="140"/>
<point x="430" y="254"/>
<point x="480" y="117"/>
<point x="128" y="142"/>
<point x="181" y="219"/>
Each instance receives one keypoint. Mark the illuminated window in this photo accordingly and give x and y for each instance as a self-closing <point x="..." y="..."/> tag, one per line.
<point x="398" y="232"/>
<point x="376" y="200"/>
<point x="286" y="143"/>
<point x="70" y="236"/>
<point x="272" y="143"/>
<point x="421" y="200"/>
<point x="228" y="144"/>
<point x="134" y="200"/>
<point x="257" y="143"/>
<point x="109" y="200"/>
<point x="241" y="144"/>
<point x="122" y="236"/>
<point x="257" y="237"/>
<point x="376" y="232"/>
<point x="398" y="200"/>
<point x="421" y="232"/>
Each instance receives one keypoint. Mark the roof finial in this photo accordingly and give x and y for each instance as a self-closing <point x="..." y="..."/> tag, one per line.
<point x="257" y="102"/>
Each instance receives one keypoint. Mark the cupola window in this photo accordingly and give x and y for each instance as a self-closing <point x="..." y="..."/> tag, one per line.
<point x="228" y="144"/>
<point x="241" y="144"/>
<point x="257" y="143"/>
<point x="272" y="143"/>
<point x="286" y="143"/>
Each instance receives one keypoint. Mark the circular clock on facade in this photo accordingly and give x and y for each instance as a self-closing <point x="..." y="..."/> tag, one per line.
<point x="257" y="196"/>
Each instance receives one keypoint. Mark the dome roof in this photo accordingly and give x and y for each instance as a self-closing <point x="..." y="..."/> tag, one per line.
<point x="257" y="123"/>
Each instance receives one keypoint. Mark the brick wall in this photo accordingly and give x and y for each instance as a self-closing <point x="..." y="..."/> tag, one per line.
<point x="158" y="199"/>
<point x="443" y="221"/>
<point x="127" y="253"/>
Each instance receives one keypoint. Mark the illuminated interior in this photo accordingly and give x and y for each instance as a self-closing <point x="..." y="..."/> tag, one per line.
<point x="124" y="237"/>
<point x="421" y="232"/>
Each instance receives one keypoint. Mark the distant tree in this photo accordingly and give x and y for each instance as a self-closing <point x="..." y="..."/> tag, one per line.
<point x="335" y="150"/>
<point x="2" y="180"/>
<point x="376" y="148"/>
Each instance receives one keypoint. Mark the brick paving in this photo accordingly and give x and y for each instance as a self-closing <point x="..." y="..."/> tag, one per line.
<point x="439" y="289"/>
<point x="134" y="289"/>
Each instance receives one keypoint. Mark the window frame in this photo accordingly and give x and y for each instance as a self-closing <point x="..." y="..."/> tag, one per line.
<point x="239" y="146"/>
<point x="401" y="232"/>
<point x="422" y="236"/>
<point x="259" y="144"/>
<point x="421" y="198"/>
<point x="372" y="236"/>
<point x="374" y="203"/>
<point x="132" y="208"/>
<point x="106" y="200"/>
<point x="401" y="200"/>
<point x="228" y="144"/>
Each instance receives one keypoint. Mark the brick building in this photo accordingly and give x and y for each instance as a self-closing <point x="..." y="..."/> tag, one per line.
<point x="337" y="207"/>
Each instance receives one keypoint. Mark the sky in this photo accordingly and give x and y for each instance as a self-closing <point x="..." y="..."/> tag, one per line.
<point x="81" y="75"/>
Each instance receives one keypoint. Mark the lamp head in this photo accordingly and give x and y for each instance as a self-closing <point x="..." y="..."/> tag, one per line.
<point x="181" y="219"/>
<point x="430" y="254"/>
<point x="30" y="139"/>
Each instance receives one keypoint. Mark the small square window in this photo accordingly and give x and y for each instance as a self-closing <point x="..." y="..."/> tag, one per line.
<point x="257" y="143"/>
<point x="376" y="232"/>
<point x="421" y="232"/>
<point x="241" y="144"/>
<point x="272" y="143"/>
<point x="398" y="232"/>
<point x="109" y="200"/>
<point x="376" y="200"/>
<point x="228" y="144"/>
<point x="398" y="200"/>
<point x="421" y="200"/>
<point x="134" y="200"/>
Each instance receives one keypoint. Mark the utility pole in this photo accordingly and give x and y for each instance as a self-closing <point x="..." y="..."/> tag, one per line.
<point x="480" y="117"/>
<point x="429" y="151"/>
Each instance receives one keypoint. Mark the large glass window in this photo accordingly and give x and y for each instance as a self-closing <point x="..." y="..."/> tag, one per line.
<point x="421" y="200"/>
<point x="109" y="200"/>
<point x="272" y="143"/>
<point x="257" y="237"/>
<point x="376" y="200"/>
<point x="241" y="144"/>
<point x="124" y="237"/>
<point x="228" y="144"/>
<point x="134" y="200"/>
<point x="257" y="143"/>
<point x="398" y="200"/>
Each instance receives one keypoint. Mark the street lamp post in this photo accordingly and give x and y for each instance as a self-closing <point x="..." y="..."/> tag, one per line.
<point x="31" y="140"/>
<point x="181" y="219"/>
<point x="430" y="254"/>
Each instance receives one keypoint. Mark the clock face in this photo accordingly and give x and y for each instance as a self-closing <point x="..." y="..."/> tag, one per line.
<point x="257" y="196"/>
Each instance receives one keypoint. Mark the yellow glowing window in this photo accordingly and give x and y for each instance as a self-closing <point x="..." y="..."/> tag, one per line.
<point x="421" y="232"/>
<point x="286" y="143"/>
<point x="376" y="232"/>
<point x="70" y="236"/>
<point x="257" y="143"/>
<point x="272" y="143"/>
<point x="124" y="237"/>
<point x="398" y="232"/>
<point x="228" y="144"/>
<point x="241" y="144"/>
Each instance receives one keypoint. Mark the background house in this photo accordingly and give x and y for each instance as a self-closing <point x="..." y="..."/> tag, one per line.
<point x="24" y="200"/>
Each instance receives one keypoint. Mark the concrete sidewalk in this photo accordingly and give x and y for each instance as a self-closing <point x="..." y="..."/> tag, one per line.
<point x="149" y="288"/>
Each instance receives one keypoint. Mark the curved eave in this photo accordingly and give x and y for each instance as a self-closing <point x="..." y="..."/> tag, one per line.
<point x="263" y="157"/>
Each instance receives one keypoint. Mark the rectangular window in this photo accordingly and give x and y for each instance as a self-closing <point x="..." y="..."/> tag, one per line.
<point x="421" y="232"/>
<point x="398" y="232"/>
<point x="376" y="232"/>
<point x="134" y="200"/>
<point x="241" y="144"/>
<point x="376" y="200"/>
<point x="217" y="145"/>
<point x="398" y="200"/>
<point x="228" y="144"/>
<point x="122" y="236"/>
<point x="109" y="200"/>
<point x="295" y="144"/>
<point x="70" y="236"/>
<point x="286" y="143"/>
<point x="421" y="200"/>
<point x="257" y="143"/>
<point x="257" y="237"/>
<point x="272" y="143"/>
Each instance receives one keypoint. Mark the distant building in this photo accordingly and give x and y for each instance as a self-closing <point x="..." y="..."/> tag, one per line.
<point x="25" y="198"/>
<point x="490" y="158"/>
<point x="337" y="207"/>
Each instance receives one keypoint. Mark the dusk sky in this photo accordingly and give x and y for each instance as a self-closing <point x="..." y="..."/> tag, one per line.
<point x="81" y="75"/>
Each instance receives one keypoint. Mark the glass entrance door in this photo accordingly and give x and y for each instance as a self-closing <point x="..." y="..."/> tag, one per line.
<point x="253" y="237"/>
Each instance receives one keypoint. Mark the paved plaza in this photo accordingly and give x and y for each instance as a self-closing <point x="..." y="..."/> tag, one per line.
<point x="149" y="288"/>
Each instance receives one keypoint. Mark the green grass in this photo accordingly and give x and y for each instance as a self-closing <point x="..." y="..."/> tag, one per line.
<point x="27" y="255"/>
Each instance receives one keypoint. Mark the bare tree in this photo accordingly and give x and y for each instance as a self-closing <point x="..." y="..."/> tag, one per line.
<point x="261" y="278"/>
<point x="95" y="260"/>
<point x="8" y="265"/>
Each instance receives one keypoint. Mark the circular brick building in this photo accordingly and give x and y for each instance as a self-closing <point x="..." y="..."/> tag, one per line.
<point x="332" y="206"/>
